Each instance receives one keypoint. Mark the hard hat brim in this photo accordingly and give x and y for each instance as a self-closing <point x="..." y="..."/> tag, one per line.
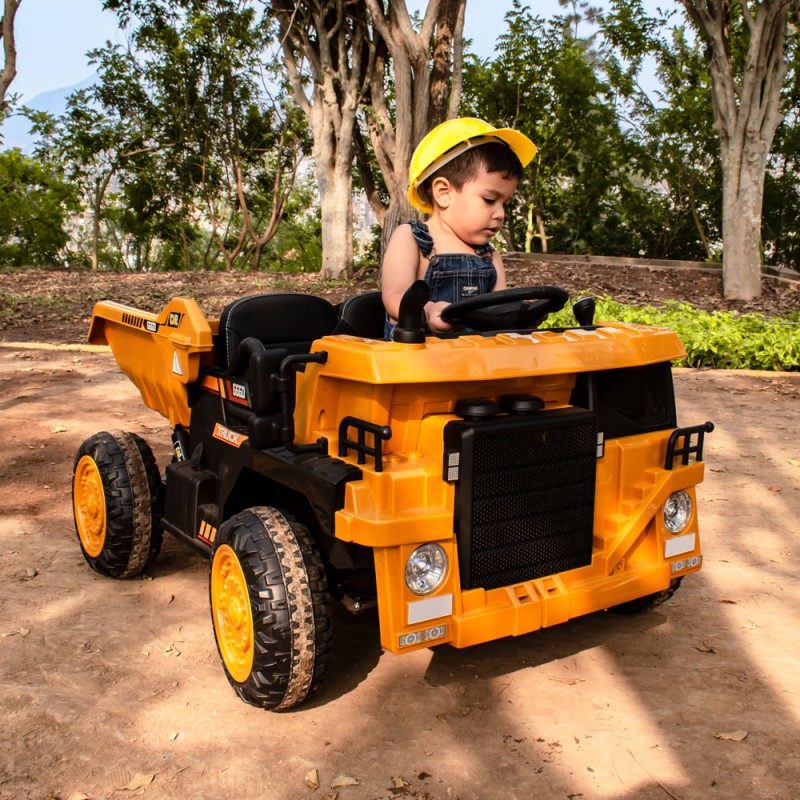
<point x="520" y="145"/>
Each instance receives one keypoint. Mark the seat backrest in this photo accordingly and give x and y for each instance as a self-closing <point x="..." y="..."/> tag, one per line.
<point x="292" y="321"/>
<point x="365" y="314"/>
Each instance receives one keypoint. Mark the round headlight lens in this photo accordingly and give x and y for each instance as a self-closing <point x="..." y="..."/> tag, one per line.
<point x="426" y="568"/>
<point x="677" y="511"/>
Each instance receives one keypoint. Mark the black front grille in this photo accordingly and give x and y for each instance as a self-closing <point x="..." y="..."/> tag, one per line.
<point x="524" y="502"/>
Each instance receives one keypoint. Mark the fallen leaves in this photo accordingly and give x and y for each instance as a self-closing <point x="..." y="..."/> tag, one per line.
<point x="705" y="648"/>
<point x="733" y="736"/>
<point x="344" y="780"/>
<point x="22" y="632"/>
<point x="312" y="779"/>
<point x="139" y="781"/>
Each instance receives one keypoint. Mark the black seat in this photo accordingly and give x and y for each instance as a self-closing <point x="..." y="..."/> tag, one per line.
<point x="290" y="321"/>
<point x="364" y="314"/>
<point x="256" y="334"/>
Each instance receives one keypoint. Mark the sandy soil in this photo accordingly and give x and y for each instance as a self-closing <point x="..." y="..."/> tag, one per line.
<point x="113" y="689"/>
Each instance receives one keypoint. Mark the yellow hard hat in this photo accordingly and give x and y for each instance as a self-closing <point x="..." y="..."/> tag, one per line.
<point x="451" y="139"/>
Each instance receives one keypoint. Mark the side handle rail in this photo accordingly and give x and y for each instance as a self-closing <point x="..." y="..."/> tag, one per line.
<point x="680" y="444"/>
<point x="379" y="433"/>
<point x="284" y="384"/>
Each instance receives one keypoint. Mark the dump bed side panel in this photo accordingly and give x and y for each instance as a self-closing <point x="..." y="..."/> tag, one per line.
<point x="161" y="353"/>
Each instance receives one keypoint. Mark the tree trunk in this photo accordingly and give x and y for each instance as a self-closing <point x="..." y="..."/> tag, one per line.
<point x="742" y="196"/>
<point x="9" y="48"/>
<point x="101" y="185"/>
<point x="333" y="42"/>
<point x="427" y="87"/>
<point x="448" y="25"/>
<point x="95" y="236"/>
<point x="747" y="112"/>
<point x="335" y="186"/>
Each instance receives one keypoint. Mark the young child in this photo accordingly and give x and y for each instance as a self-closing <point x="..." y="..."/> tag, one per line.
<point x="462" y="174"/>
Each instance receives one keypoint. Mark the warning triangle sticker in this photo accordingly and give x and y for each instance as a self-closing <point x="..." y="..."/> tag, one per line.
<point x="176" y="363"/>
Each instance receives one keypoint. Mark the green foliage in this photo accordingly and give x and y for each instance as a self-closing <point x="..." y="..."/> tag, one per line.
<point x="673" y="126"/>
<point x="181" y="152"/>
<point x="719" y="339"/>
<point x="34" y="204"/>
<point x="297" y="246"/>
<point x="587" y="190"/>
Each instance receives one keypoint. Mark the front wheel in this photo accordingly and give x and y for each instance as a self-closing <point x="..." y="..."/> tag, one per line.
<point x="269" y="607"/>
<point x="649" y="600"/>
<point x="116" y="502"/>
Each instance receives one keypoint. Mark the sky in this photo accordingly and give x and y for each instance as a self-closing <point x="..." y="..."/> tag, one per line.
<point x="53" y="37"/>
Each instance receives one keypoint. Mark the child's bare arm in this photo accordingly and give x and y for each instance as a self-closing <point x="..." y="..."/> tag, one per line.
<point x="399" y="271"/>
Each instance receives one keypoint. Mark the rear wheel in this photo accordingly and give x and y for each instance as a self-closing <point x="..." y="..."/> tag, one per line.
<point x="269" y="607"/>
<point x="649" y="600"/>
<point x="116" y="502"/>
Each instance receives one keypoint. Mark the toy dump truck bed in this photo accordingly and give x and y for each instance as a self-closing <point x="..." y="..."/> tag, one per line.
<point x="160" y="353"/>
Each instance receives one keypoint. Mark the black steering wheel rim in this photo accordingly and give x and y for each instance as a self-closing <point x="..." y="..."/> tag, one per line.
<point x="556" y="297"/>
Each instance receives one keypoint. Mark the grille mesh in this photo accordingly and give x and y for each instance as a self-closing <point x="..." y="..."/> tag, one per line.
<point x="525" y="498"/>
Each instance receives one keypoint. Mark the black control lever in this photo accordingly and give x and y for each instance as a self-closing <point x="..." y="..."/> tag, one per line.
<point x="410" y="327"/>
<point x="584" y="311"/>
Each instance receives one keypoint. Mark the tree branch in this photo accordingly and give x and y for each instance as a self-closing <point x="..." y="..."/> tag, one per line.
<point x="9" y="48"/>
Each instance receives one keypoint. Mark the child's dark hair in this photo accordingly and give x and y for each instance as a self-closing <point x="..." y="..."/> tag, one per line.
<point x="494" y="156"/>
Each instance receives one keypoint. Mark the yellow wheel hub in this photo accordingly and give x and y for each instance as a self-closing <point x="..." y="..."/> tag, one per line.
<point x="230" y="608"/>
<point x="89" y="501"/>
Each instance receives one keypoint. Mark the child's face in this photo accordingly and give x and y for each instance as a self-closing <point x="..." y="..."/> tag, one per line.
<point x="476" y="211"/>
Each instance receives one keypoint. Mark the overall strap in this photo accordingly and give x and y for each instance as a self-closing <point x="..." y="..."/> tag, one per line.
<point x="422" y="237"/>
<point x="424" y="241"/>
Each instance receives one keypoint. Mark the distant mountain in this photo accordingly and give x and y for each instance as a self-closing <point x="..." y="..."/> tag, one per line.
<point x="15" y="132"/>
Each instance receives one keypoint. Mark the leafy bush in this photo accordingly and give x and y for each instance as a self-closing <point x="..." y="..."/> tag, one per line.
<point x="719" y="339"/>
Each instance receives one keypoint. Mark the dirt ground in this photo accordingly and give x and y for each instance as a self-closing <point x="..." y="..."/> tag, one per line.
<point x="111" y="689"/>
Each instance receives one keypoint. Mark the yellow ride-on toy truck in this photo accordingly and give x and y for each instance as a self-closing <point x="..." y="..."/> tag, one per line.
<point x="475" y="485"/>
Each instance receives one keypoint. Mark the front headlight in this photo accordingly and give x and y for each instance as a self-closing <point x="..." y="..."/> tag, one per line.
<point x="677" y="511"/>
<point x="426" y="568"/>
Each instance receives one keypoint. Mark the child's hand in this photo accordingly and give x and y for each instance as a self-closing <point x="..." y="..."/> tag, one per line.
<point x="434" y="313"/>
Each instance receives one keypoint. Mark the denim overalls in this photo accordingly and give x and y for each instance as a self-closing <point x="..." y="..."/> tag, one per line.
<point x="452" y="276"/>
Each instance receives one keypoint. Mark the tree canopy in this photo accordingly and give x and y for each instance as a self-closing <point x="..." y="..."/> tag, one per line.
<point x="193" y="148"/>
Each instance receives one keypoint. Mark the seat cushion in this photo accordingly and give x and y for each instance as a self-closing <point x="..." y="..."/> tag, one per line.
<point x="276" y="320"/>
<point x="365" y="315"/>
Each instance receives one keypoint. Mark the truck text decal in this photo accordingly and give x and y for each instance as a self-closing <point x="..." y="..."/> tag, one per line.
<point x="228" y="436"/>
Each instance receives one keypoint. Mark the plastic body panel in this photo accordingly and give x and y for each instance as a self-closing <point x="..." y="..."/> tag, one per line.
<point x="411" y="391"/>
<point x="161" y="353"/>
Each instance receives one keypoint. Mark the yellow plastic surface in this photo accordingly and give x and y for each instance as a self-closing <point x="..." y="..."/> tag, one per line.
<point x="89" y="503"/>
<point x="161" y="353"/>
<point x="232" y="614"/>
<point x="413" y="390"/>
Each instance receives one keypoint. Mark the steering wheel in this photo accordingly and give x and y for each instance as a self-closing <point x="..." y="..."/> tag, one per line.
<point x="506" y="309"/>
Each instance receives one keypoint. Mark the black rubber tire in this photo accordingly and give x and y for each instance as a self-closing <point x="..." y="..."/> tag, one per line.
<point x="132" y="493"/>
<point x="649" y="601"/>
<point x="288" y="602"/>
